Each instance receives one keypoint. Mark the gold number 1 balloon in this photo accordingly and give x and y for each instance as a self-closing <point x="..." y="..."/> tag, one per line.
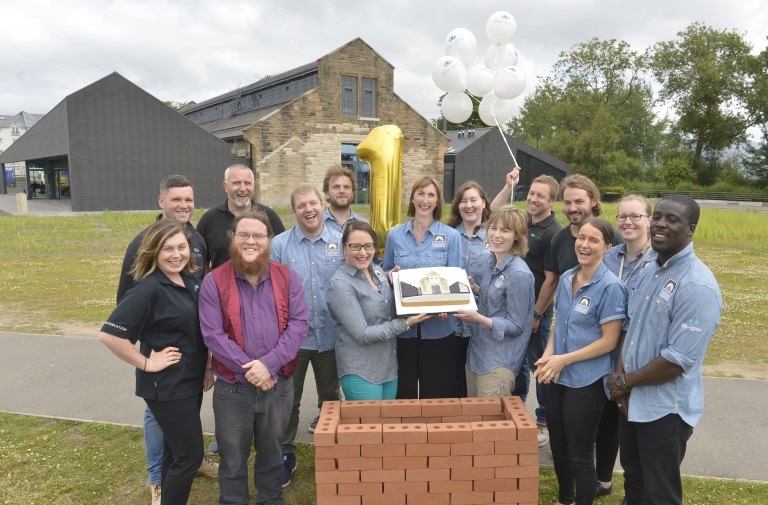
<point x="383" y="150"/>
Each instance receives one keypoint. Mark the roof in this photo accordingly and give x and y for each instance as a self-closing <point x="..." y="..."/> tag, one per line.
<point x="23" y="119"/>
<point x="461" y="139"/>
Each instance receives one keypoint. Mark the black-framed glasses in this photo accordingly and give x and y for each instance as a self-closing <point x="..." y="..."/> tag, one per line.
<point x="241" y="235"/>
<point x="356" y="247"/>
<point x="632" y="217"/>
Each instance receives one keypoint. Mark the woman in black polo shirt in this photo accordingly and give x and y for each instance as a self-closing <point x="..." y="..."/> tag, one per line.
<point x="160" y="310"/>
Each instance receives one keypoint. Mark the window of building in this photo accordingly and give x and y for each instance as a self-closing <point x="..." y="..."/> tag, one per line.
<point x="348" y="95"/>
<point x="15" y="131"/>
<point x="368" y="105"/>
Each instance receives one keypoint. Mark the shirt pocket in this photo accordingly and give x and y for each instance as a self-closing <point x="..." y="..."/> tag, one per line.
<point x="438" y="257"/>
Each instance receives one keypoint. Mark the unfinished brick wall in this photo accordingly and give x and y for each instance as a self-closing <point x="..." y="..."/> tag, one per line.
<point x="426" y="452"/>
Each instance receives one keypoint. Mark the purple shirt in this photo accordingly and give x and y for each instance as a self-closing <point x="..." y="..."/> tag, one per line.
<point x="260" y="329"/>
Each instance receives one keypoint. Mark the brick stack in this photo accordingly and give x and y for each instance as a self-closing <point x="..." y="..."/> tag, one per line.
<point x="426" y="452"/>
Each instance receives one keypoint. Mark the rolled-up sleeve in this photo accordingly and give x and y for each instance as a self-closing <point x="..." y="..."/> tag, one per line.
<point x="516" y="320"/>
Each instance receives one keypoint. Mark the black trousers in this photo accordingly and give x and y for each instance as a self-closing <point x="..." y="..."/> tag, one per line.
<point x="426" y="367"/>
<point x="182" y="445"/>
<point x="607" y="442"/>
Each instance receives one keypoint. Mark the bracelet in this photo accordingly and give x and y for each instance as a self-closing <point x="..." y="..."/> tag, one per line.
<point x="145" y="364"/>
<point x="538" y="315"/>
<point x="208" y="366"/>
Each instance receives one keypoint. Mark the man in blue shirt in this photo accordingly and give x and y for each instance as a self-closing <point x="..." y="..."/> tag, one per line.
<point x="339" y="188"/>
<point x="658" y="385"/>
<point x="313" y="250"/>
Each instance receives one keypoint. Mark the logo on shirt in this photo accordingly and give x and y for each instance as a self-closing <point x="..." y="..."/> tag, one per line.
<point x="668" y="289"/>
<point x="487" y="245"/>
<point x="692" y="325"/>
<point x="117" y="326"/>
<point x="379" y="273"/>
<point x="439" y="241"/>
<point x="499" y="282"/>
<point x="582" y="306"/>
<point x="331" y="249"/>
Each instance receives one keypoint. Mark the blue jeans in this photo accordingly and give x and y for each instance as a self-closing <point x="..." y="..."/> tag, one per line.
<point x="245" y="416"/>
<point x="651" y="455"/>
<point x="523" y="381"/>
<point x="153" y="441"/>
<point x="536" y="346"/>
<point x="357" y="388"/>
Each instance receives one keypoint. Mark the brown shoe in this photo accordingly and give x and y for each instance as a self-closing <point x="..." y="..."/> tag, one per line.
<point x="157" y="493"/>
<point x="208" y="468"/>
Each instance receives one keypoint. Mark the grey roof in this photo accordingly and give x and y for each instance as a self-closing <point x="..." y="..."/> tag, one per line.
<point x="460" y="139"/>
<point x="46" y="139"/>
<point x="24" y="119"/>
<point x="232" y="126"/>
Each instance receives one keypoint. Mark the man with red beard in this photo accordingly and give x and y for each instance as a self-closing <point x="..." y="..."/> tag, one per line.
<point x="253" y="316"/>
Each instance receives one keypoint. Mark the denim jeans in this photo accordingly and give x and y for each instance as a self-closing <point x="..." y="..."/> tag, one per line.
<point x="153" y="442"/>
<point x="326" y="382"/>
<point x="245" y="416"/>
<point x="651" y="455"/>
<point x="357" y="388"/>
<point x="536" y="346"/>
<point x="523" y="380"/>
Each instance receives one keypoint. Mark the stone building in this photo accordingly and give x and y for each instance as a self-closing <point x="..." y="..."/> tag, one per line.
<point x="295" y="125"/>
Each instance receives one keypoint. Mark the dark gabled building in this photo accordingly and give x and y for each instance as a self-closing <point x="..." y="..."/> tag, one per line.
<point x="108" y="145"/>
<point x="481" y="155"/>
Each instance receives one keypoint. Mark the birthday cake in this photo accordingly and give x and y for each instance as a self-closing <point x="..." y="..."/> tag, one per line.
<point x="442" y="288"/>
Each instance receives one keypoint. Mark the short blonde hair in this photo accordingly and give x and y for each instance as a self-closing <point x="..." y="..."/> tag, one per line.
<point x="512" y="218"/>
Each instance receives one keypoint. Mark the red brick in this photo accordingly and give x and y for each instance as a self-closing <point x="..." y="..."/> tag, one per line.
<point x="528" y="484"/>
<point x="486" y="406"/>
<point x="449" y="433"/>
<point x="325" y="433"/>
<point x="358" y="434"/>
<point x="388" y="499"/>
<point x="516" y="447"/>
<point x="336" y="477"/>
<point x="516" y="497"/>
<point x="361" y="488"/>
<point x="451" y="486"/>
<point x="350" y="420"/>
<point x="526" y="429"/>
<point x="330" y="408"/>
<point x="493" y="485"/>
<point x="404" y="462"/>
<point x="400" y="408"/>
<point x="528" y="459"/>
<point x="512" y="404"/>
<point x="428" y="449"/>
<point x="515" y="472"/>
<point x="339" y="500"/>
<point x="325" y="465"/>
<point x="421" y="420"/>
<point x="471" y="498"/>
<point x="472" y="473"/>
<point x="404" y="433"/>
<point x="382" y="450"/>
<point x="428" y="499"/>
<point x="337" y="451"/>
<point x="328" y="489"/>
<point x="461" y="419"/>
<point x="428" y="474"/>
<point x="499" y="417"/>
<point x="439" y="407"/>
<point x="382" y="475"/>
<point x="472" y="448"/>
<point x="492" y="431"/>
<point x="450" y="461"/>
<point x="360" y="408"/>
<point x="359" y="464"/>
<point x="495" y="460"/>
<point x="374" y="420"/>
<point x="406" y="488"/>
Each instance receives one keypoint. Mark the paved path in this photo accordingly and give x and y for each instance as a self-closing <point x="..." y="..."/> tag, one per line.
<point x="78" y="378"/>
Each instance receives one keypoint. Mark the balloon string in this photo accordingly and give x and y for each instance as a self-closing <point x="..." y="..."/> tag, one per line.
<point x="493" y="89"/>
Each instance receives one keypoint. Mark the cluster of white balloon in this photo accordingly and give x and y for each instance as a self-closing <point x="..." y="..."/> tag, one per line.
<point x="495" y="83"/>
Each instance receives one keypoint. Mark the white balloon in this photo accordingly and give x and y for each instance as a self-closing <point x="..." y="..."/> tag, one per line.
<point x="494" y="111"/>
<point x="500" y="27"/>
<point x="462" y="44"/>
<point x="456" y="107"/>
<point x="479" y="80"/>
<point x="497" y="57"/>
<point x="449" y="74"/>
<point x="509" y="83"/>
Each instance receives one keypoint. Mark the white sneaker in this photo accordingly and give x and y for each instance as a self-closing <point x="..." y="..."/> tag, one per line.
<point x="157" y="493"/>
<point x="543" y="435"/>
<point x="208" y="468"/>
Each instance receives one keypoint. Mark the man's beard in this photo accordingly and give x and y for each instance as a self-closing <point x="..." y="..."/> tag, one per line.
<point x="256" y="267"/>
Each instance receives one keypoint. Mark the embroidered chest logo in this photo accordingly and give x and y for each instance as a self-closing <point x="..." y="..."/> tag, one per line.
<point x="668" y="289"/>
<point x="332" y="249"/>
<point x="438" y="241"/>
<point x="499" y="282"/>
<point x="583" y="304"/>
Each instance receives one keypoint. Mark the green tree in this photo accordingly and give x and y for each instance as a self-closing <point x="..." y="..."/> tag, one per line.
<point x="705" y="75"/>
<point x="177" y="105"/>
<point x="756" y="160"/>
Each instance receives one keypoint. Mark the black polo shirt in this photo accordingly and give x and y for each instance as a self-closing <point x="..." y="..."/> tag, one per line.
<point x="564" y="250"/>
<point x="215" y="224"/>
<point x="160" y="314"/>
<point x="540" y="247"/>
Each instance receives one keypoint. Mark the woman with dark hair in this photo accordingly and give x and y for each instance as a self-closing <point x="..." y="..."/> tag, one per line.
<point x="426" y="352"/>
<point x="160" y="310"/>
<point x="361" y="302"/>
<point x="590" y="306"/>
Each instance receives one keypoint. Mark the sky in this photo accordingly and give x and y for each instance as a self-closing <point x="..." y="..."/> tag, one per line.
<point x="182" y="50"/>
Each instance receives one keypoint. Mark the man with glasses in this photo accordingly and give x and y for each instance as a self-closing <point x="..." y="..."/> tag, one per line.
<point x="313" y="250"/>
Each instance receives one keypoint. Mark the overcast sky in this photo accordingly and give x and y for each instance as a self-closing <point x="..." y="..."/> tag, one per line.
<point x="184" y="50"/>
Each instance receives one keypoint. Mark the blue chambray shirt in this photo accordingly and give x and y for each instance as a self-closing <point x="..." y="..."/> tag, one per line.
<point x="630" y="269"/>
<point x="315" y="260"/>
<point x="441" y="247"/>
<point x="579" y="319"/>
<point x="331" y="222"/>
<point x="673" y="314"/>
<point x="366" y="324"/>
<point x="507" y="296"/>
<point x="474" y="251"/>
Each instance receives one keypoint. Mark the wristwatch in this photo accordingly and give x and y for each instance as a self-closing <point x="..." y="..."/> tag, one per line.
<point x="538" y="315"/>
<point x="621" y="382"/>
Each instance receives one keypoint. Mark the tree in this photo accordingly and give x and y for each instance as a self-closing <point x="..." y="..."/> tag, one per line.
<point x="595" y="112"/>
<point x="474" y="120"/>
<point x="705" y="74"/>
<point x="756" y="160"/>
<point x="177" y="105"/>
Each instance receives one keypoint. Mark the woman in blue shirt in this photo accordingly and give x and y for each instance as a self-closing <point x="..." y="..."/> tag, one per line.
<point x="426" y="353"/>
<point x="469" y="212"/>
<point x="590" y="307"/>
<point x="506" y="297"/>
<point x="362" y="304"/>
